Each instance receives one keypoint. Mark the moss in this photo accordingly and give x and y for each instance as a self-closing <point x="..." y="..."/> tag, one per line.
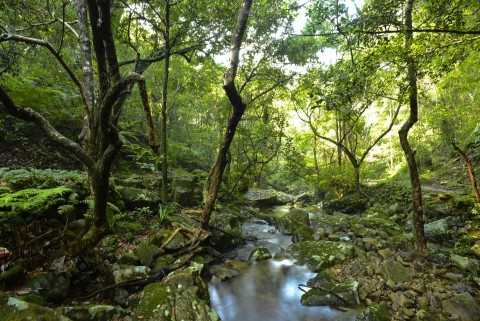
<point x="318" y="255"/>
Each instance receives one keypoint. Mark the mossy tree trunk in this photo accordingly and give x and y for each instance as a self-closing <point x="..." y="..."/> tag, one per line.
<point x="102" y="143"/>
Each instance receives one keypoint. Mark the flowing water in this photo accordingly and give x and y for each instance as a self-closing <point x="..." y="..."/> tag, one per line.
<point x="267" y="290"/>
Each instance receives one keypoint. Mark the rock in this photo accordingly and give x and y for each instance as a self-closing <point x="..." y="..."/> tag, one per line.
<point x="303" y="233"/>
<point x="317" y="297"/>
<point x="165" y="302"/>
<point x="396" y="272"/>
<point x="262" y="197"/>
<point x="284" y="198"/>
<point x="120" y="274"/>
<point x="137" y="198"/>
<point x="476" y="250"/>
<point x="129" y="259"/>
<point x="349" y="204"/>
<point x="190" y="278"/>
<point x="437" y="228"/>
<point x="53" y="287"/>
<point x="14" y="275"/>
<point x="121" y="296"/>
<point x="184" y="190"/>
<point x="14" y="309"/>
<point x="231" y="223"/>
<point x="454" y="276"/>
<point x="223" y="272"/>
<point x="318" y="255"/>
<point x="378" y="312"/>
<point x="463" y="262"/>
<point x="305" y="198"/>
<point x="463" y="306"/>
<point x="430" y="314"/>
<point x="294" y="219"/>
<point x="92" y="312"/>
<point x="261" y="253"/>
<point x="146" y="253"/>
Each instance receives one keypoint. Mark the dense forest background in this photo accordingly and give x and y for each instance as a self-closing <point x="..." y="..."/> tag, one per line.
<point x="325" y="97"/>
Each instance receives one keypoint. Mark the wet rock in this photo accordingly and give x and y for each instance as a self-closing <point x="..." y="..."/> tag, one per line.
<point x="396" y="272"/>
<point x="378" y="312"/>
<point x="12" y="309"/>
<point x="261" y="253"/>
<point x="165" y="302"/>
<point x="318" y="255"/>
<point x="463" y="306"/>
<point x="262" y="197"/>
<point x="92" y="312"/>
<point x="318" y="297"/>
<point x="223" y="272"/>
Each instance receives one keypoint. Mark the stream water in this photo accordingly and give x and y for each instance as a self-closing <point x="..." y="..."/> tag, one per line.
<point x="267" y="290"/>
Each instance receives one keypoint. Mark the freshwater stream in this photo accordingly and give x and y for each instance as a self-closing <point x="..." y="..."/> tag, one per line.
<point x="267" y="290"/>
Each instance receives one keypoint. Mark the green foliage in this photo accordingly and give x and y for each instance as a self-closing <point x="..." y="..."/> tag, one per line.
<point x="33" y="200"/>
<point x="37" y="178"/>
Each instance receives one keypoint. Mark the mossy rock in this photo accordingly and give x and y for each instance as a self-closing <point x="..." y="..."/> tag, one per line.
<point x="166" y="302"/>
<point x="129" y="259"/>
<point x="303" y="233"/>
<point x="92" y="312"/>
<point x="190" y="278"/>
<point x="318" y="297"/>
<point x="261" y="197"/>
<point x="294" y="219"/>
<point x="261" y="253"/>
<point x="53" y="287"/>
<point x="318" y="255"/>
<point x="349" y="204"/>
<point x="228" y="230"/>
<point x="13" y="309"/>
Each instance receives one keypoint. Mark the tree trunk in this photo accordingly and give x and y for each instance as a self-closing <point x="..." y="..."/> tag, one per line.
<point x="471" y="172"/>
<point x="163" y="134"/>
<point x="418" y="220"/>
<point x="239" y="107"/>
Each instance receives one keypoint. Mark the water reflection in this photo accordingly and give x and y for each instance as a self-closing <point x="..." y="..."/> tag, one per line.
<point x="267" y="290"/>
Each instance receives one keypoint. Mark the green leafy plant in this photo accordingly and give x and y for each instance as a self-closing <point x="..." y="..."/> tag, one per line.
<point x="33" y="200"/>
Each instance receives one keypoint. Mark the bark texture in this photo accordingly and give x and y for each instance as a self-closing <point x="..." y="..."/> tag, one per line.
<point x="418" y="220"/>
<point x="238" y="105"/>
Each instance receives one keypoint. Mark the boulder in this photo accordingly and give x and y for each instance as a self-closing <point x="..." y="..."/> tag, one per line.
<point x="13" y="309"/>
<point x="305" y="198"/>
<point x="166" y="302"/>
<point x="303" y="233"/>
<point x="228" y="232"/>
<point x="463" y="307"/>
<point x="261" y="197"/>
<point x="318" y="255"/>
<point x="223" y="272"/>
<point x="92" y="312"/>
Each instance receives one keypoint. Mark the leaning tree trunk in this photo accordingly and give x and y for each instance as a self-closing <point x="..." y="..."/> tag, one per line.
<point x="418" y="220"/>
<point x="239" y="107"/>
<point x="471" y="171"/>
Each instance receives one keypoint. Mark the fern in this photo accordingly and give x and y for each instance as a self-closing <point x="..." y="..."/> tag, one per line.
<point x="33" y="200"/>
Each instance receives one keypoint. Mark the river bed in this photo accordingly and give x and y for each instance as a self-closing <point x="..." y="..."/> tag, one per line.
<point x="267" y="290"/>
